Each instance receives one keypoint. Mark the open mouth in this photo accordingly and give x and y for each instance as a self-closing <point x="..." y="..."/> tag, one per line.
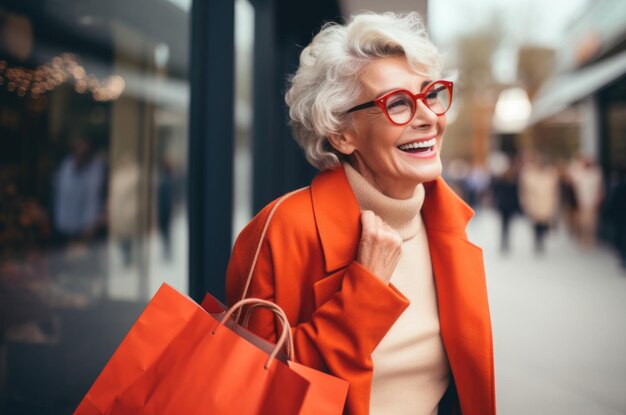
<point x="419" y="147"/>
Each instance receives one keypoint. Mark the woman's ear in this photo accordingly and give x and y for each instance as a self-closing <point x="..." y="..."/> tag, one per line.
<point x="343" y="142"/>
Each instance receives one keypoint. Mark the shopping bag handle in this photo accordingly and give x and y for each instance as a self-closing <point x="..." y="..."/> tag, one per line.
<point x="291" y="355"/>
<point x="286" y="334"/>
<point x="258" y="248"/>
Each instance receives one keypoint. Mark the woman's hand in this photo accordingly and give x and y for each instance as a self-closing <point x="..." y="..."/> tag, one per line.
<point x="380" y="246"/>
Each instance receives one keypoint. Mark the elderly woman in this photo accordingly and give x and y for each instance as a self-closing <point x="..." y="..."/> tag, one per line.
<point x="371" y="262"/>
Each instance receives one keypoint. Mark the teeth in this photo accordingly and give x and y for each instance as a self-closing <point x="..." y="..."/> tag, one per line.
<point x="421" y="144"/>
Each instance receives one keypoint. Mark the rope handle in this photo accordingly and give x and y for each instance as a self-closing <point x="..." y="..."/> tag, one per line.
<point x="267" y="304"/>
<point x="258" y="248"/>
<point x="285" y="335"/>
<point x="290" y="349"/>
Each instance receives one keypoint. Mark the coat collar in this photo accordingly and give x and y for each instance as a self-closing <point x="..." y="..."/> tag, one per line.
<point x="457" y="268"/>
<point x="337" y="215"/>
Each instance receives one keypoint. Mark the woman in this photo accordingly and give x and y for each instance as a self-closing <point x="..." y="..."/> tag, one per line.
<point x="539" y="197"/>
<point x="371" y="262"/>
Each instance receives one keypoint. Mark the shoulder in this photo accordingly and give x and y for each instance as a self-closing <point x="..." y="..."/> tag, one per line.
<point x="291" y="206"/>
<point x="295" y="222"/>
<point x="283" y="232"/>
<point x="291" y="218"/>
<point x="297" y="211"/>
<point x="283" y="215"/>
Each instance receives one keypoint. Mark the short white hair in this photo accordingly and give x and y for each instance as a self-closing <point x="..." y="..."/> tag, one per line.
<point x="326" y="85"/>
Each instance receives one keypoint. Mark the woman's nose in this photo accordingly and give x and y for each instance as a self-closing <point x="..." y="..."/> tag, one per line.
<point x="423" y="117"/>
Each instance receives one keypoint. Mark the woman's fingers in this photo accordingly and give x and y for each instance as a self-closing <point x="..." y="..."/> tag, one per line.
<point x="368" y="222"/>
<point x="380" y="246"/>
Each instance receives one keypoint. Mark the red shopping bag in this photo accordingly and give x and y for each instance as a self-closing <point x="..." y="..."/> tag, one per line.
<point x="326" y="394"/>
<point x="180" y="359"/>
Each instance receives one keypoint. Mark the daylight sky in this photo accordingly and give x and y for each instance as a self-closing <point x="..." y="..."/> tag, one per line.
<point x="536" y="22"/>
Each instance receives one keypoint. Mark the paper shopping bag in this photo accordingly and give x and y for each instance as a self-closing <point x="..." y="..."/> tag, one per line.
<point x="179" y="359"/>
<point x="326" y="394"/>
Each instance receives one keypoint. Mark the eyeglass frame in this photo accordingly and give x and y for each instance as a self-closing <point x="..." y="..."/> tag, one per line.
<point x="382" y="101"/>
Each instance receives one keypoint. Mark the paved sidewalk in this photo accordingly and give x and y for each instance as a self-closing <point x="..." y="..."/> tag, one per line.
<point x="559" y="323"/>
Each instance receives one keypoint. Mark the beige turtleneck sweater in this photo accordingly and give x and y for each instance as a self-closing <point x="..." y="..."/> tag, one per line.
<point x="411" y="370"/>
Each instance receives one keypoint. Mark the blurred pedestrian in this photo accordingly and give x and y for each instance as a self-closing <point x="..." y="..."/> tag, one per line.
<point x="167" y="192"/>
<point x="539" y="197"/>
<point x="569" y="205"/>
<point x="587" y="183"/>
<point x="79" y="190"/>
<point x="477" y="184"/>
<point x="80" y="221"/>
<point x="505" y="196"/>
<point x="124" y="205"/>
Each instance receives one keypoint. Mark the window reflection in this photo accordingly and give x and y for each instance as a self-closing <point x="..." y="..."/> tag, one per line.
<point x="93" y="143"/>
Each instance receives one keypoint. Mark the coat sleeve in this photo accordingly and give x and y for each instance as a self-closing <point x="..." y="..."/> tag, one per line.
<point x="341" y="334"/>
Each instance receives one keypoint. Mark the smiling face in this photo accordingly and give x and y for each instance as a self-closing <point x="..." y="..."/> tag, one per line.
<point x="394" y="159"/>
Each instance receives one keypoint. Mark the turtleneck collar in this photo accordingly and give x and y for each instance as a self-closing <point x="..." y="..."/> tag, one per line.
<point x="402" y="215"/>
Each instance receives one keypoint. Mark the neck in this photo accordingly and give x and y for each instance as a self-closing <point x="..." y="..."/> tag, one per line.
<point x="403" y="215"/>
<point x="395" y="190"/>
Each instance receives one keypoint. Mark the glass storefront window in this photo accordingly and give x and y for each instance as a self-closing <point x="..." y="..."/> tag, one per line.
<point x="244" y="44"/>
<point x="93" y="149"/>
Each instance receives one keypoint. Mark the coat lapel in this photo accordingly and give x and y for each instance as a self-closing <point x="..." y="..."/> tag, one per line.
<point x="462" y="297"/>
<point x="338" y="219"/>
<point x="457" y="266"/>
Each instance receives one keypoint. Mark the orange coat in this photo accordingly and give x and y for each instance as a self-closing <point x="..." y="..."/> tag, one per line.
<point x="339" y="311"/>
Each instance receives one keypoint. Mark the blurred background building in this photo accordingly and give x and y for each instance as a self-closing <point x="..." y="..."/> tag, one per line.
<point x="137" y="139"/>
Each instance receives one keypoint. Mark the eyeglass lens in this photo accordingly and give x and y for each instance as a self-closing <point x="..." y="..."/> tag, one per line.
<point x="401" y="106"/>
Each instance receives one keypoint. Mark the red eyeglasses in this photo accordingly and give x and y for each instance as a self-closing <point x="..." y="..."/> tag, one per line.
<point x="400" y="105"/>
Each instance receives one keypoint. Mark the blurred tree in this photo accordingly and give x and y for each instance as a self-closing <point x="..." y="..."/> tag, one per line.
<point x="475" y="93"/>
<point x="535" y="65"/>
